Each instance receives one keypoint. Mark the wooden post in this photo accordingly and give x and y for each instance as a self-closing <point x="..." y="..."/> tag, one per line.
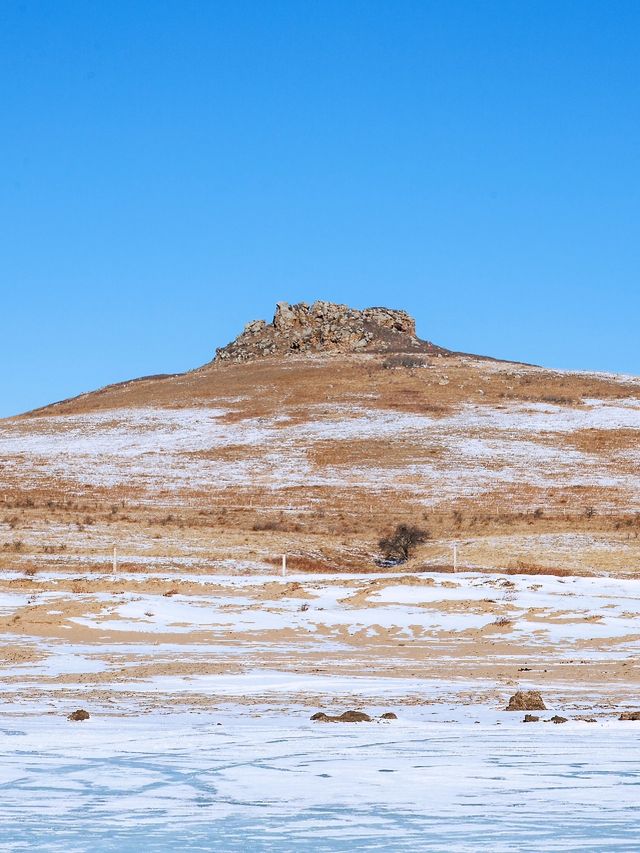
<point x="455" y="556"/>
<point x="284" y="565"/>
<point x="115" y="559"/>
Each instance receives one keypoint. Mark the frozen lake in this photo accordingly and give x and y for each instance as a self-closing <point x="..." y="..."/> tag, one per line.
<point x="463" y="779"/>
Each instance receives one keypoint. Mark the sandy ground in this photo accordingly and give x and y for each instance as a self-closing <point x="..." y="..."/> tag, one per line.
<point x="317" y="640"/>
<point x="201" y="688"/>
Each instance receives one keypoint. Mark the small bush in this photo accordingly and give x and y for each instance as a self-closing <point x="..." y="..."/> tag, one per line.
<point x="267" y="525"/>
<point x="402" y="361"/>
<point x="399" y="546"/>
<point x="557" y="400"/>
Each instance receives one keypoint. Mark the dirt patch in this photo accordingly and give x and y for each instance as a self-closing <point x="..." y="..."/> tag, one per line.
<point x="347" y="717"/>
<point x="630" y="715"/>
<point x="78" y="716"/>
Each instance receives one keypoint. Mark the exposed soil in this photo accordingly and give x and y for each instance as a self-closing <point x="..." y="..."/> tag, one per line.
<point x="79" y="715"/>
<point x="346" y="717"/>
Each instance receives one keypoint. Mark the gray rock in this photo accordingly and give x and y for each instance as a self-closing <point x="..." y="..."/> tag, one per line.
<point x="326" y="327"/>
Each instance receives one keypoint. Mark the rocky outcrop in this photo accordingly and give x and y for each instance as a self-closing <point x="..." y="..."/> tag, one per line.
<point x="326" y="327"/>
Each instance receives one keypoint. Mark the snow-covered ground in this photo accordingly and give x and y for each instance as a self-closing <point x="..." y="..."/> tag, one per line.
<point x="160" y="449"/>
<point x="540" y="609"/>
<point x="200" y="735"/>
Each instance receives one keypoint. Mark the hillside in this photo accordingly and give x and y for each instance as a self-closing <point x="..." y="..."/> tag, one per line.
<point x="299" y="438"/>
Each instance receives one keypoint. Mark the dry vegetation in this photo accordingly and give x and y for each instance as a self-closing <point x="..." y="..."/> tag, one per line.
<point x="53" y="516"/>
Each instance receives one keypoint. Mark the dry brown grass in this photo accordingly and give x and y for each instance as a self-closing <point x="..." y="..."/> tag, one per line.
<point x="337" y="526"/>
<point x="604" y="441"/>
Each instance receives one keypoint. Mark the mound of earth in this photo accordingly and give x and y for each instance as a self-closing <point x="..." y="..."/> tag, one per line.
<point x="346" y="717"/>
<point x="79" y="715"/>
<point x="630" y="715"/>
<point x="526" y="700"/>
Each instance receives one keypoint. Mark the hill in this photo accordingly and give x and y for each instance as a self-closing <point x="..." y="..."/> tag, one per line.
<point x="313" y="436"/>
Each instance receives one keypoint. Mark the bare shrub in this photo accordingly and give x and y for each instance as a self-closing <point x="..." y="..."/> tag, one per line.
<point x="267" y="525"/>
<point x="558" y="400"/>
<point x="406" y="360"/>
<point x="400" y="544"/>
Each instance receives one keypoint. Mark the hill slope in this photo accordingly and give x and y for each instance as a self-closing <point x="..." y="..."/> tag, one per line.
<point x="318" y="453"/>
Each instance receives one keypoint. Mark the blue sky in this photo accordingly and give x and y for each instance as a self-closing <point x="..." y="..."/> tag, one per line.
<point x="170" y="170"/>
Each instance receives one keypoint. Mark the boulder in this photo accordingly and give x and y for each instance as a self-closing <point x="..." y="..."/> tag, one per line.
<point x="284" y="317"/>
<point x="526" y="700"/>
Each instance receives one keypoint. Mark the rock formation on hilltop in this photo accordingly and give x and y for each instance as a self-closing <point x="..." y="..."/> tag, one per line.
<point x="326" y="327"/>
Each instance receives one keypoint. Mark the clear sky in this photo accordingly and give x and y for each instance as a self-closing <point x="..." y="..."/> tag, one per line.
<point x="170" y="169"/>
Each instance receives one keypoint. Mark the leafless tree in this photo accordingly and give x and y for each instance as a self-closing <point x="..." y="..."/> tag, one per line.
<point x="399" y="545"/>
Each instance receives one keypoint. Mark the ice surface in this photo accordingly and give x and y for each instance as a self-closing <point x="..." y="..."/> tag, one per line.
<point x="281" y="783"/>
